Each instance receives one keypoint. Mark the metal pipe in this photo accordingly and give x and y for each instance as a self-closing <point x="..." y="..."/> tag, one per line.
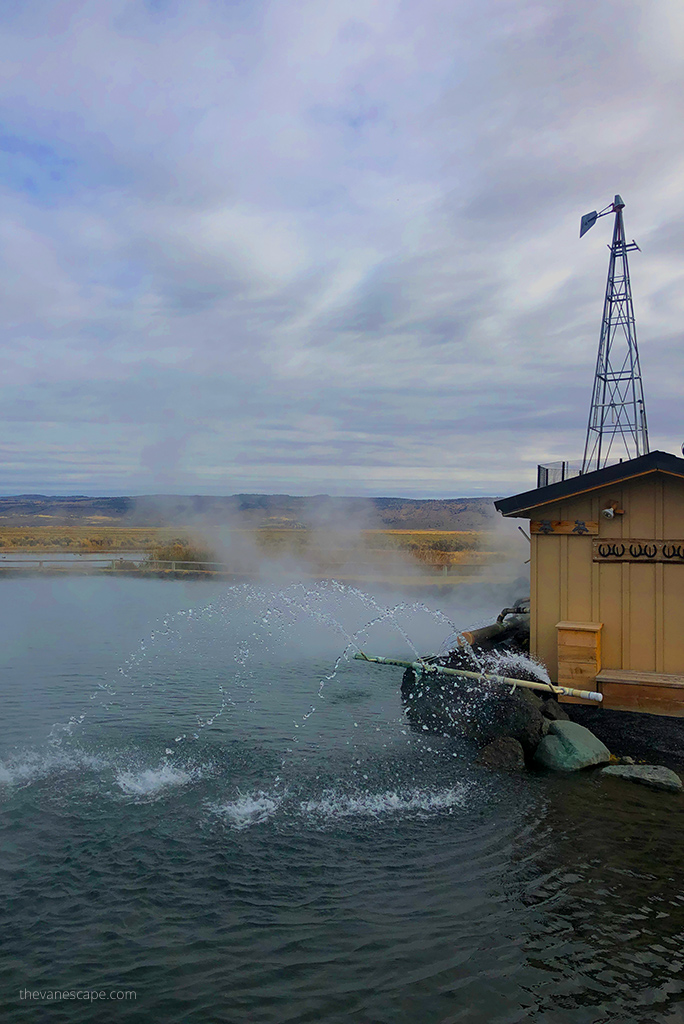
<point x="504" y="613"/>
<point x="472" y="637"/>
<point x="439" y="670"/>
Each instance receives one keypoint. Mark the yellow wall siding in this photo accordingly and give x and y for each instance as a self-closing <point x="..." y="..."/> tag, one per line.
<point x="579" y="578"/>
<point x="641" y="606"/>
<point x="547" y="608"/>
<point x="640" y="499"/>
<point x="610" y="613"/>
<point x="535" y="625"/>
<point x="670" y="592"/>
<point x="673" y="618"/>
<point x="659" y="632"/>
<point x="640" y="642"/>
<point x="673" y="508"/>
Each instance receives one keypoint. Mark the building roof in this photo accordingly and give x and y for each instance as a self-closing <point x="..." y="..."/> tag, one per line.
<point x="654" y="462"/>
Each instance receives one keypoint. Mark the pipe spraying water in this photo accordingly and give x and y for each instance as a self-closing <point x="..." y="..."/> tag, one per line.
<point x="438" y="670"/>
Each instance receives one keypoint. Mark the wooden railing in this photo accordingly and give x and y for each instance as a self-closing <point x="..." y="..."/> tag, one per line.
<point x="358" y="571"/>
<point x="111" y="564"/>
<point x="178" y="566"/>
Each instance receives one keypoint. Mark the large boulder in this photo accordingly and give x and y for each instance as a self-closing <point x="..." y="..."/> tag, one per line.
<point x="464" y="708"/>
<point x="504" y="753"/>
<point x="520" y="716"/>
<point x="568" y="747"/>
<point x="552" y="709"/>
<point x="654" y="776"/>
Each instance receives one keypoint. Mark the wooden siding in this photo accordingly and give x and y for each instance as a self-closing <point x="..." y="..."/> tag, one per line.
<point x="579" y="656"/>
<point x="641" y="606"/>
<point x="575" y="527"/>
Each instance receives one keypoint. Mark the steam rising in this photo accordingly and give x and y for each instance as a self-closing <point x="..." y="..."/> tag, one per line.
<point x="280" y="539"/>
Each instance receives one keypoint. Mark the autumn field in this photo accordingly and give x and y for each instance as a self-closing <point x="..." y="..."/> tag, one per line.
<point x="379" y="554"/>
<point x="443" y="546"/>
<point x="82" y="539"/>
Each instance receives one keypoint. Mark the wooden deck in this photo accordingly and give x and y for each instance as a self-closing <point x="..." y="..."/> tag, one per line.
<point x="651" y="693"/>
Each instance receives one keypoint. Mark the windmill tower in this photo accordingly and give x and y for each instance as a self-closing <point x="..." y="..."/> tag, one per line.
<point x="617" y="418"/>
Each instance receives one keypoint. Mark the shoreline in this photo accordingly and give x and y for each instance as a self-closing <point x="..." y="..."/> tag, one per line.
<point x="440" y="582"/>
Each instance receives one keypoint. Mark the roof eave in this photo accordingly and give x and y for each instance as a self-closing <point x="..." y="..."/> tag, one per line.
<point x="654" y="462"/>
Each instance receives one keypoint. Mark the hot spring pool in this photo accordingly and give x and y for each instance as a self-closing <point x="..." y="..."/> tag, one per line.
<point x="205" y="803"/>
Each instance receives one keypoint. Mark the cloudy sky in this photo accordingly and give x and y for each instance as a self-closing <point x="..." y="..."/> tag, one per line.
<point x="328" y="247"/>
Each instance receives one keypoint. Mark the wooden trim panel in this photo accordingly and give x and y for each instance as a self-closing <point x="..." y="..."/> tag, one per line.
<point x="576" y="527"/>
<point x="609" y="675"/>
<point x="650" y="693"/>
<point x="579" y="656"/>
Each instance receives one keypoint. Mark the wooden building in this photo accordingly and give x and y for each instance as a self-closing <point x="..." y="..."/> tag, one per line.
<point x="607" y="581"/>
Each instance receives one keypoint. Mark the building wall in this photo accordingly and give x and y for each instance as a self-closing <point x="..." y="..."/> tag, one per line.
<point x="641" y="606"/>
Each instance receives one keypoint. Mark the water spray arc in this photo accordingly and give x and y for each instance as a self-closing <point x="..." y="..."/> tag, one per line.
<point x="617" y="402"/>
<point x="423" y="668"/>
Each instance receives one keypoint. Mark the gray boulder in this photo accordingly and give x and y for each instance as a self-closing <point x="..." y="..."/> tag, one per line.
<point x="568" y="747"/>
<point x="654" y="776"/>
<point x="504" y="753"/>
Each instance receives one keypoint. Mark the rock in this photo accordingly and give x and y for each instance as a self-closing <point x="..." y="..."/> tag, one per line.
<point x="553" y="710"/>
<point x="654" y="776"/>
<point x="530" y="697"/>
<point x="481" y="713"/>
<point x="505" y="753"/>
<point x="528" y="728"/>
<point x="569" y="747"/>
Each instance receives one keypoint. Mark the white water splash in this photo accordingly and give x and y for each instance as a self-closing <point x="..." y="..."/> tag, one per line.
<point x="340" y="805"/>
<point x="248" y="809"/>
<point x="152" y="782"/>
<point x="33" y="765"/>
<point x="508" y="663"/>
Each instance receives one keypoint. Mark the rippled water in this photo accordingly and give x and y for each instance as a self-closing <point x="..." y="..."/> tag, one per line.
<point x="204" y="802"/>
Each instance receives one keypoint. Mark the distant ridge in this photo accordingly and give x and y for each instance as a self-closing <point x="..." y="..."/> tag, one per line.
<point x="283" y="511"/>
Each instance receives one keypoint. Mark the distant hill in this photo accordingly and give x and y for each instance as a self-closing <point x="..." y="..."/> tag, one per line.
<point x="250" y="510"/>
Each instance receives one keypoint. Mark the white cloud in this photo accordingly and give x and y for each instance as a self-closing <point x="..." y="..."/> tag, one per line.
<point x="302" y="247"/>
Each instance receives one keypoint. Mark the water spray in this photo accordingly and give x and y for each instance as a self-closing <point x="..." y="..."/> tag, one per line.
<point x="426" y="669"/>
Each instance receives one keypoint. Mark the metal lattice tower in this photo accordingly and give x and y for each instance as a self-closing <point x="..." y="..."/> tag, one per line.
<point x="617" y="418"/>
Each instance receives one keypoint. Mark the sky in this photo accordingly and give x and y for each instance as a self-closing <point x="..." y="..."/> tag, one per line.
<point x="333" y="247"/>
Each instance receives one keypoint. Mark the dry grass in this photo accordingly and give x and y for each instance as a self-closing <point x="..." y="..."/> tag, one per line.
<point x="179" y="550"/>
<point x="328" y="549"/>
<point x="442" y="547"/>
<point x="319" y="550"/>
<point x="83" y="539"/>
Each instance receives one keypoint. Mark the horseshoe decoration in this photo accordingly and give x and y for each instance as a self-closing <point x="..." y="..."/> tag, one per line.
<point x="670" y="551"/>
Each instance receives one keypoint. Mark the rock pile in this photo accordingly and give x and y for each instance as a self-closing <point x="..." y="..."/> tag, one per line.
<point x="546" y="738"/>
<point x="436" y="704"/>
<point x="518" y="728"/>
